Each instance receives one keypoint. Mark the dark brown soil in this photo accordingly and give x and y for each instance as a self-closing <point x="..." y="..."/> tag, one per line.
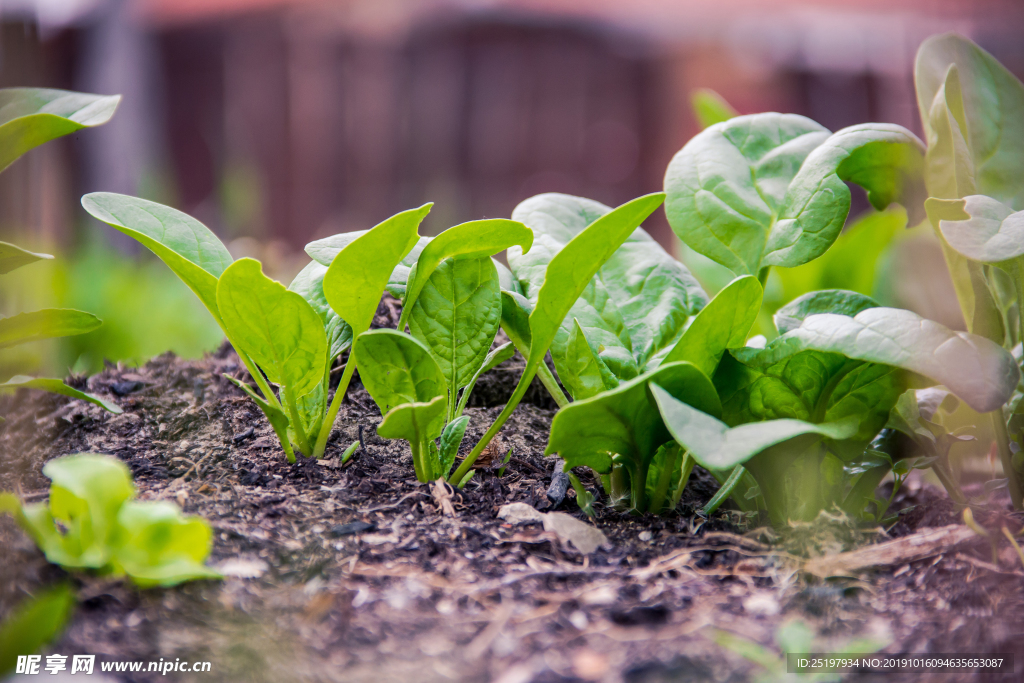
<point x="360" y="577"/>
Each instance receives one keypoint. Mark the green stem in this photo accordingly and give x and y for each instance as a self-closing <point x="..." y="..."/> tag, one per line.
<point x="551" y="384"/>
<point x="492" y="431"/>
<point x="417" y="460"/>
<point x="684" y="478"/>
<point x="1006" y="458"/>
<point x="638" y="489"/>
<point x="727" y="488"/>
<point x="261" y="381"/>
<point x="293" y="414"/>
<point x="762" y="275"/>
<point x="619" y="479"/>
<point x="332" y="412"/>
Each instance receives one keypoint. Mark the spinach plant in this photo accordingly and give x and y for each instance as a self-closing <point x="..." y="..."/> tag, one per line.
<point x="91" y="522"/>
<point x="288" y="337"/>
<point x="34" y="623"/>
<point x="971" y="109"/>
<point x="799" y="413"/>
<point x="28" y="118"/>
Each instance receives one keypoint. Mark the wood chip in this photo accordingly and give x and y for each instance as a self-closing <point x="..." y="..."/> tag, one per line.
<point x="925" y="543"/>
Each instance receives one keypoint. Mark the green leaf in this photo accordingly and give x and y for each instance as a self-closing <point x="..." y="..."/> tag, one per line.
<point x="456" y="315"/>
<point x="993" y="111"/>
<point x="56" y="386"/>
<point x="309" y="284"/>
<point x="323" y="252"/>
<point x="715" y="445"/>
<point x="515" y="319"/>
<point x="275" y="327"/>
<point x="583" y="372"/>
<point x="158" y="546"/>
<point x="978" y="371"/>
<point x="495" y="358"/>
<point x="356" y="277"/>
<point x="638" y="299"/>
<point x="473" y="241"/>
<point x="396" y="369"/>
<point x="451" y="439"/>
<point x="983" y="229"/>
<point x="838" y="301"/>
<point x="31" y="116"/>
<point x="45" y="324"/>
<point x="723" y="324"/>
<point x="35" y="622"/>
<point x="419" y="424"/>
<point x="623" y="424"/>
<point x="710" y="108"/>
<point x="770" y="189"/>
<point x="13" y="257"/>
<point x="187" y="246"/>
<point x="86" y="493"/>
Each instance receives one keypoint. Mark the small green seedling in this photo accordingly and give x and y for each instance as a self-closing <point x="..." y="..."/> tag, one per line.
<point x="28" y="118"/>
<point x="34" y="623"/>
<point x="91" y="522"/>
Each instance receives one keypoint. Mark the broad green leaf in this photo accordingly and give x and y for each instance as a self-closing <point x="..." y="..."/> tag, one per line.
<point x="583" y="372"/>
<point x="710" y="108"/>
<point x="309" y="284"/>
<point x="275" y="327"/>
<point x="474" y="240"/>
<point x="576" y="239"/>
<point x="885" y="159"/>
<point x="86" y="493"/>
<point x="993" y="110"/>
<point x="770" y="189"/>
<point x="623" y="421"/>
<point x="456" y="315"/>
<point x="515" y="319"/>
<point x="356" y="277"/>
<point x="56" y="386"/>
<point x="839" y="301"/>
<point x="975" y="369"/>
<point x="451" y="439"/>
<point x="715" y="445"/>
<point x="323" y="252"/>
<point x="35" y="622"/>
<point x="31" y="116"/>
<point x="158" y="546"/>
<point x="419" y="424"/>
<point x="13" y="257"/>
<point x="45" y="324"/>
<point x="396" y="368"/>
<point x="723" y="324"/>
<point x="187" y="246"/>
<point x="988" y="230"/>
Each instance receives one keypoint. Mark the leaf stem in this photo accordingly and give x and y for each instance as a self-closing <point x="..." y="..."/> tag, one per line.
<point x="551" y="384"/>
<point x="293" y="414"/>
<point x="1006" y="458"/>
<point x="261" y="381"/>
<point x="727" y="488"/>
<point x="332" y="412"/>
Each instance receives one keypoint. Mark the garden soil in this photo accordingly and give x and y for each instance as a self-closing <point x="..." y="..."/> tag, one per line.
<point x="357" y="572"/>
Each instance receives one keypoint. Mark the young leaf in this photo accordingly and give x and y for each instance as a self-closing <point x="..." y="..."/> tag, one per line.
<point x="86" y="493"/>
<point x="583" y="371"/>
<point x="183" y="243"/>
<point x="451" y="439"/>
<point x="622" y="424"/>
<point x="33" y="623"/>
<point x="710" y="108"/>
<point x="473" y="240"/>
<point x="984" y="229"/>
<point x="635" y="305"/>
<point x="515" y="319"/>
<point x="309" y="284"/>
<point x="993" y="109"/>
<point x="396" y="369"/>
<point x="456" y="315"/>
<point x="839" y="301"/>
<point x="275" y="327"/>
<point x="419" y="424"/>
<point x="56" y="386"/>
<point x="769" y="189"/>
<point x="158" y="546"/>
<point x="31" y="116"/>
<point x="45" y="324"/>
<point x="495" y="358"/>
<point x="567" y="275"/>
<point x="723" y="324"/>
<point x="978" y="371"/>
<point x="13" y="257"/>
<point x="715" y="445"/>
<point x="323" y="252"/>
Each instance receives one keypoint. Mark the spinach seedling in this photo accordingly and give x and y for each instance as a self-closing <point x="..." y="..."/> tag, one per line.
<point x="34" y="623"/>
<point x="28" y="118"/>
<point x="91" y="522"/>
<point x="567" y="274"/>
<point x="971" y="110"/>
